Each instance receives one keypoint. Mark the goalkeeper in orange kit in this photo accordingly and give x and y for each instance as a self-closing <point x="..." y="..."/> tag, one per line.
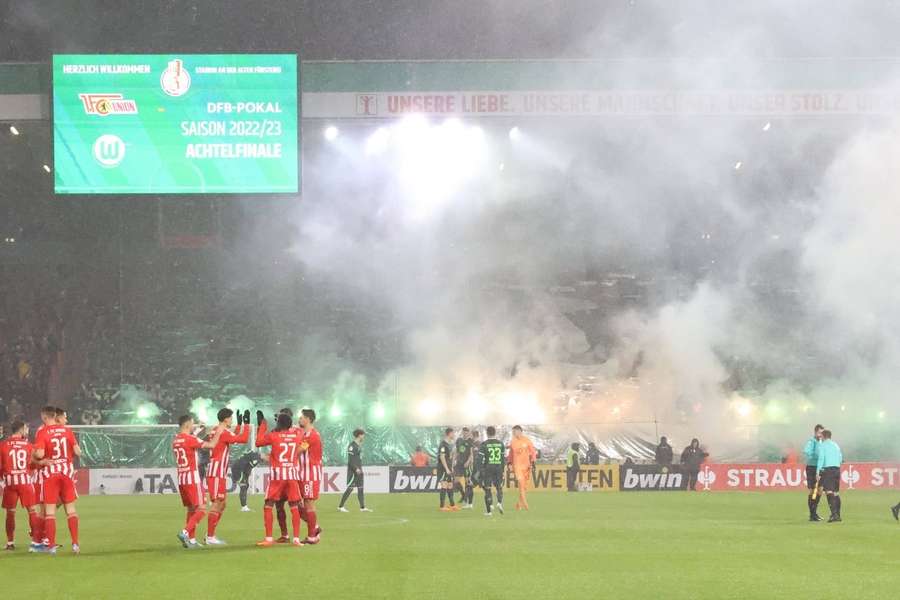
<point x="521" y="459"/>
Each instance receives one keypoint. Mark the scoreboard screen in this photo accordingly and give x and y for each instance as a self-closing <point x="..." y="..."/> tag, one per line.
<point x="175" y="124"/>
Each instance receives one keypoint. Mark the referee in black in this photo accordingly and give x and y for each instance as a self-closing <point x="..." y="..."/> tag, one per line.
<point x="355" y="472"/>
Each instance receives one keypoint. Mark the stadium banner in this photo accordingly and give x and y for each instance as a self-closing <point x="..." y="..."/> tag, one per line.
<point x="165" y="481"/>
<point x="552" y="478"/>
<point x="412" y="479"/>
<point x="135" y="481"/>
<point x="543" y="478"/>
<point x="599" y="103"/>
<point x="175" y="124"/>
<point x="654" y="478"/>
<point x="776" y="477"/>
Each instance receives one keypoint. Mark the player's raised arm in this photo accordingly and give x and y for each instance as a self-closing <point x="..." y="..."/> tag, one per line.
<point x="242" y="435"/>
<point x="262" y="435"/>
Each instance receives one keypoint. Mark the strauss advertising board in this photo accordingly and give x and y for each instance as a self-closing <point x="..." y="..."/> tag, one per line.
<point x="775" y="477"/>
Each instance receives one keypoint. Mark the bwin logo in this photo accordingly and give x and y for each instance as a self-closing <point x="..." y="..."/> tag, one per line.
<point x="651" y="481"/>
<point x="413" y="483"/>
<point x="109" y="150"/>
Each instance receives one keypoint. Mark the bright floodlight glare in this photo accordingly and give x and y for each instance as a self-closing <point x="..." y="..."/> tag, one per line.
<point x="515" y="134"/>
<point x="331" y="133"/>
<point x="429" y="408"/>
<point x="476" y="406"/>
<point x="453" y="123"/>
<point x="13" y="130"/>
<point x="378" y="142"/>
<point x="522" y="408"/>
<point x="435" y="161"/>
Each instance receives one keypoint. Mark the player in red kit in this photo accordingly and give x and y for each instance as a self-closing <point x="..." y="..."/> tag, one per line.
<point x="218" y="467"/>
<point x="285" y="443"/>
<point x="185" y="446"/>
<point x="48" y="417"/>
<point x="280" y="503"/>
<point x="310" y="473"/>
<point x="15" y="458"/>
<point x="58" y="446"/>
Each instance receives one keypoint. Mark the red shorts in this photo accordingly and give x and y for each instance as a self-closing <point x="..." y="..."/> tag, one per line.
<point x="216" y="487"/>
<point x="309" y="490"/>
<point x="59" y="487"/>
<point x="23" y="493"/>
<point x="283" y="490"/>
<point x="191" y="495"/>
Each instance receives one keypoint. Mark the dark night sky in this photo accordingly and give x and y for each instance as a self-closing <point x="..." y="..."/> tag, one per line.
<point x="32" y="30"/>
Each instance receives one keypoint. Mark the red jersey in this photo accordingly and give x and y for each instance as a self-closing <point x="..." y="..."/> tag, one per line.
<point x="218" y="456"/>
<point x="285" y="448"/>
<point x="15" y="457"/>
<point x="311" y="459"/>
<point x="58" y="443"/>
<point x="35" y="469"/>
<point x="185" y="447"/>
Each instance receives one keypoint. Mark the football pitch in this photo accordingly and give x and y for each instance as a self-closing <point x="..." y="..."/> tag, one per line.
<point x="587" y="545"/>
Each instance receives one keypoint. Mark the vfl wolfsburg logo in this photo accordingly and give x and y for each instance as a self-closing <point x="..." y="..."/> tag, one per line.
<point x="109" y="150"/>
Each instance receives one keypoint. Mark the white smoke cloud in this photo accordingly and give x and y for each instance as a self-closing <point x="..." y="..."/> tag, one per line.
<point x="617" y="270"/>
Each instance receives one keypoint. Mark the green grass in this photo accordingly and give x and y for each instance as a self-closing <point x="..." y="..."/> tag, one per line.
<point x="591" y="545"/>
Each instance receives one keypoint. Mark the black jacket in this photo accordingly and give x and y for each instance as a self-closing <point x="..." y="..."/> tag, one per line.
<point x="693" y="457"/>
<point x="664" y="454"/>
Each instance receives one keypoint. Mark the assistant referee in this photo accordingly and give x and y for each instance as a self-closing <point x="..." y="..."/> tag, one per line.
<point x="830" y="460"/>
<point x="811" y="454"/>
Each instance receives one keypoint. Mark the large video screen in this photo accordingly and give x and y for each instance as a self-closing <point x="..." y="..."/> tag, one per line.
<point x="175" y="124"/>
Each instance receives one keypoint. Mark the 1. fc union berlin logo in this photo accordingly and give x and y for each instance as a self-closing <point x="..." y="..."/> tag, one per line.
<point x="175" y="80"/>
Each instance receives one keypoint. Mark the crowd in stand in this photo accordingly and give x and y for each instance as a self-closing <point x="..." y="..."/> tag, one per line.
<point x="30" y="340"/>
